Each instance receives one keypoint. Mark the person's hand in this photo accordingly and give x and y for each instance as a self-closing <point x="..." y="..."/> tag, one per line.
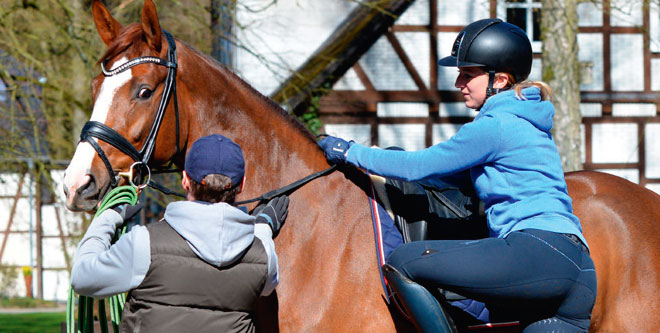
<point x="273" y="213"/>
<point x="335" y="149"/>
<point x="127" y="211"/>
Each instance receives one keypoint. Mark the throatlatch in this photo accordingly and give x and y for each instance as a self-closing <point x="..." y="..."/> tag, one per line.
<point x="100" y="131"/>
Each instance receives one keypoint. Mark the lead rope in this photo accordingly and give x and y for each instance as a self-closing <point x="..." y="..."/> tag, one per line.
<point x="119" y="195"/>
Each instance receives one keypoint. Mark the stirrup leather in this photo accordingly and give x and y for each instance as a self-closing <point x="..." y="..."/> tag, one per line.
<point x="423" y="309"/>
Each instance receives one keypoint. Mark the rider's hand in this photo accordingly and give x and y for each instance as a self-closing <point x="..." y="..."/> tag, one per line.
<point x="127" y="211"/>
<point x="335" y="149"/>
<point x="273" y="213"/>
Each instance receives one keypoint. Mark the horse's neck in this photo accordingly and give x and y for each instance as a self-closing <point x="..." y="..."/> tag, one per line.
<point x="326" y="249"/>
<point x="277" y="150"/>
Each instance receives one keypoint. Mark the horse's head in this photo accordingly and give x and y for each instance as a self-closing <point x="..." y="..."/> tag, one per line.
<point x="130" y="104"/>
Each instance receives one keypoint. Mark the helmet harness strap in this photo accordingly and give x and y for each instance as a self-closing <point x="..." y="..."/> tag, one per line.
<point x="491" y="79"/>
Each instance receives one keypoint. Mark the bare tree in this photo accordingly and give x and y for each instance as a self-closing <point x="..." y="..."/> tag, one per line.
<point x="48" y="55"/>
<point x="559" y="27"/>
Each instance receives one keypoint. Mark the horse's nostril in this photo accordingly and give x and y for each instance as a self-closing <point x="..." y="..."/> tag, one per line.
<point x="86" y="189"/>
<point x="66" y="190"/>
<point x="89" y="189"/>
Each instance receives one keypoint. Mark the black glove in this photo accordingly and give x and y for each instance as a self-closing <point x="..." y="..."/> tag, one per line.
<point x="273" y="213"/>
<point x="127" y="211"/>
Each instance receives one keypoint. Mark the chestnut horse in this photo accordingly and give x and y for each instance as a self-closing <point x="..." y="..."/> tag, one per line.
<point x="329" y="279"/>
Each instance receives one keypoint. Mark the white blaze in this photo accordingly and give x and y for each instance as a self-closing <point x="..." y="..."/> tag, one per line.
<point x="77" y="173"/>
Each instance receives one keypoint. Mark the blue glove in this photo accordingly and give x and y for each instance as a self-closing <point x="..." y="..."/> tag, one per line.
<point x="335" y="149"/>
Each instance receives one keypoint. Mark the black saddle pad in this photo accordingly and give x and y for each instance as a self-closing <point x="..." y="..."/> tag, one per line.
<point x="449" y="211"/>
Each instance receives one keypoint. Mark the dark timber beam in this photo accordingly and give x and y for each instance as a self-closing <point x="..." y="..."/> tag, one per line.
<point x="354" y="36"/>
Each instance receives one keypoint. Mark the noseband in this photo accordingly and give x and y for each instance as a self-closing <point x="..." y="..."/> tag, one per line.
<point x="95" y="129"/>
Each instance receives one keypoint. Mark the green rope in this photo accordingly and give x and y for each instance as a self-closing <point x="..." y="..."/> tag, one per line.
<point x="69" y="311"/>
<point x="118" y="196"/>
<point x="81" y="312"/>
<point x="103" y="318"/>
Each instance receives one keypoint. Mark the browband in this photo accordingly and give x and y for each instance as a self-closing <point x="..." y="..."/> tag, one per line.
<point x="135" y="62"/>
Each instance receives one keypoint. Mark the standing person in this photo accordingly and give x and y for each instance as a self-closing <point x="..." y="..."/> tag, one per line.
<point x="203" y="267"/>
<point x="536" y="262"/>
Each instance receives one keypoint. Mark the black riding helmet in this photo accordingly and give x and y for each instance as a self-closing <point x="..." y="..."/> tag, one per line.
<point x="494" y="44"/>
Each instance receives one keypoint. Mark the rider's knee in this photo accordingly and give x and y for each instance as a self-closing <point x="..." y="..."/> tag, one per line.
<point x="576" y="308"/>
<point x="399" y="257"/>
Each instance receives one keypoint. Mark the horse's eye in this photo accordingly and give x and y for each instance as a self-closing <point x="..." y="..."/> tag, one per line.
<point x="144" y="93"/>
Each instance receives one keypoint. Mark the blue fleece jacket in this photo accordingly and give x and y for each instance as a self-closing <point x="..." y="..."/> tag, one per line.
<point x="513" y="162"/>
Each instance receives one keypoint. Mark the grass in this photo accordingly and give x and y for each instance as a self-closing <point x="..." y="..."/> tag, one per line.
<point x="24" y="303"/>
<point x="32" y="322"/>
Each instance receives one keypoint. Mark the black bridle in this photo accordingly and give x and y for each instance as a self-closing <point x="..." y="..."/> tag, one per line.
<point x="95" y="129"/>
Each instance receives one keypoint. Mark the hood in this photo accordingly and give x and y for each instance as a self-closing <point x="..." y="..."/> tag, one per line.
<point x="530" y="107"/>
<point x="218" y="233"/>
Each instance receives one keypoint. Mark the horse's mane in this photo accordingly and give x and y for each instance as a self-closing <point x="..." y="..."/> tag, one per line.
<point x="234" y="77"/>
<point x="132" y="34"/>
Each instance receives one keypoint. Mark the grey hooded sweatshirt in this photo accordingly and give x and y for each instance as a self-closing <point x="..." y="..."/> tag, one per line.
<point x="217" y="233"/>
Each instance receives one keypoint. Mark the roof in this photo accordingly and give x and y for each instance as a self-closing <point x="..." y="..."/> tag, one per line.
<point x="23" y="124"/>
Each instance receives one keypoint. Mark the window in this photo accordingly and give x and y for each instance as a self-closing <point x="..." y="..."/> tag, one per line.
<point x="654" y="29"/>
<point x="526" y="14"/>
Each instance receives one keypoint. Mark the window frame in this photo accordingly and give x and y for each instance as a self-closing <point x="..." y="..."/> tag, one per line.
<point x="529" y="6"/>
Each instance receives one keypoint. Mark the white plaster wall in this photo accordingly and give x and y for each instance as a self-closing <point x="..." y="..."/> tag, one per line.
<point x="284" y="34"/>
<point x="21" y="244"/>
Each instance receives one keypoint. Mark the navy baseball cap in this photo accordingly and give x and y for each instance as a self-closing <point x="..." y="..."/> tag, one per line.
<point x="215" y="154"/>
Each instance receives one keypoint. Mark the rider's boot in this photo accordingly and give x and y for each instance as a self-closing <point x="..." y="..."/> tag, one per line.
<point x="423" y="309"/>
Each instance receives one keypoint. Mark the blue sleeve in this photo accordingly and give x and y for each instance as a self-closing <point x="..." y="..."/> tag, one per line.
<point x="460" y="179"/>
<point x="475" y="143"/>
<point x="100" y="269"/>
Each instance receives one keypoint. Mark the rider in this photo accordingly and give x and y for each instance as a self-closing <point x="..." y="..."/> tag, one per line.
<point x="203" y="267"/>
<point x="536" y="262"/>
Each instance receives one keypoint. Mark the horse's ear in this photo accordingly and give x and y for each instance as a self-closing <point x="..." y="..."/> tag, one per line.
<point x="150" y="25"/>
<point x="106" y="25"/>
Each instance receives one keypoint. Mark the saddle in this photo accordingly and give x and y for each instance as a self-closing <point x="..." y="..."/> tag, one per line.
<point x="446" y="210"/>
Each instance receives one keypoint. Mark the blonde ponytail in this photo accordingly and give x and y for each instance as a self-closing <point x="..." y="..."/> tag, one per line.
<point x="546" y="91"/>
